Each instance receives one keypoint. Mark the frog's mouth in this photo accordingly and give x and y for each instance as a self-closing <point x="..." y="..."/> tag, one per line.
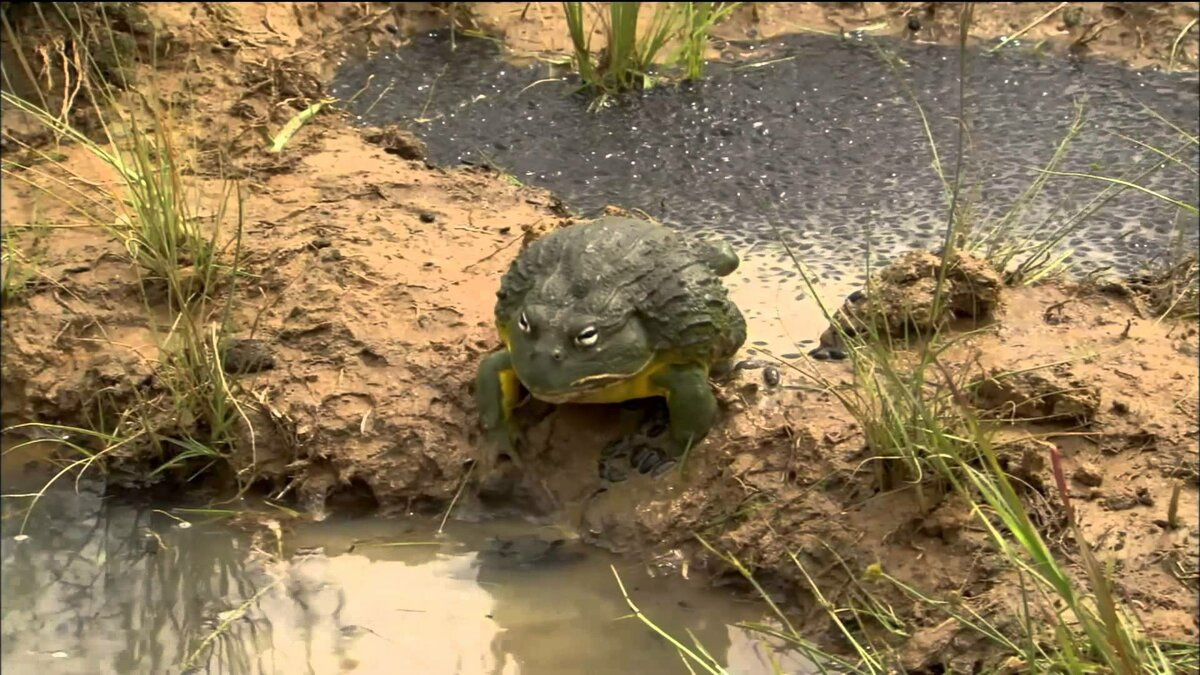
<point x="588" y="385"/>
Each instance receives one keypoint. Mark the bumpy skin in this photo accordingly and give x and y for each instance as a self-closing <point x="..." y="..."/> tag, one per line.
<point x="608" y="311"/>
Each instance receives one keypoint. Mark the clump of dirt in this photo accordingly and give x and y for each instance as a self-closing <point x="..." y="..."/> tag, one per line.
<point x="904" y="300"/>
<point x="1171" y="290"/>
<point x="367" y="280"/>
<point x="396" y="140"/>
<point x="65" y="40"/>
<point x="1050" y="395"/>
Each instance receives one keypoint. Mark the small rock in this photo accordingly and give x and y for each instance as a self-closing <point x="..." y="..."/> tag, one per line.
<point x="771" y="376"/>
<point x="427" y="217"/>
<point x="331" y="255"/>
<point x="1121" y="501"/>
<point x="914" y="22"/>
<point x="1144" y="496"/>
<point x="246" y="356"/>
<point x="319" y="243"/>
<point x="1120" y="407"/>
<point x="1088" y="474"/>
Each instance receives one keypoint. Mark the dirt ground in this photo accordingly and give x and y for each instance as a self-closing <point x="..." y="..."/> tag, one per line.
<point x="371" y="277"/>
<point x="1143" y="34"/>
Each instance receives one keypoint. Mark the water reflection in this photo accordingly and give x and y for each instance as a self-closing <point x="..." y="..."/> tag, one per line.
<point x="105" y="587"/>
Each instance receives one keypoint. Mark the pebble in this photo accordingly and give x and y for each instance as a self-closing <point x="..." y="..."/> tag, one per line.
<point x="1088" y="474"/>
<point x="771" y="376"/>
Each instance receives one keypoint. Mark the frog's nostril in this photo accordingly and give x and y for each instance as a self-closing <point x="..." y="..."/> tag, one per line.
<point x="558" y="354"/>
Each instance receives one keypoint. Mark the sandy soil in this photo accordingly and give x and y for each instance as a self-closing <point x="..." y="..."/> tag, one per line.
<point x="371" y="278"/>
<point x="1139" y="33"/>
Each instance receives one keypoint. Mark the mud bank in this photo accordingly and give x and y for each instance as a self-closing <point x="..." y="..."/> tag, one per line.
<point x="1140" y="34"/>
<point x="370" y="279"/>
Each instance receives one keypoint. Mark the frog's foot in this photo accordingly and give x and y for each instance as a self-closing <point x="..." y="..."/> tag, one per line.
<point x="497" y="393"/>
<point x="692" y="406"/>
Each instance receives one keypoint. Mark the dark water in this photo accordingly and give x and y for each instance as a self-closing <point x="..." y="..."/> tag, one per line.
<point x="92" y="585"/>
<point x="825" y="144"/>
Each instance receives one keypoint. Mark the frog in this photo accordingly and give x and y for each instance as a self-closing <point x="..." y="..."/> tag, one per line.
<point x="609" y="311"/>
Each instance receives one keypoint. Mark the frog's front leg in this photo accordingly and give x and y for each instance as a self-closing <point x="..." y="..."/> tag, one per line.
<point x="497" y="393"/>
<point x="693" y="411"/>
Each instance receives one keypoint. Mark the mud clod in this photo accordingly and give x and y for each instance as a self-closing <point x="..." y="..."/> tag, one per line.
<point x="900" y="301"/>
<point x="1088" y="474"/>
<point x="396" y="140"/>
<point x="1041" y="396"/>
<point x="247" y="356"/>
<point x="1121" y="501"/>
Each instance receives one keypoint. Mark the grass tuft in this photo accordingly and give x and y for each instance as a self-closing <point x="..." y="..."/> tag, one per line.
<point x="699" y="18"/>
<point x="174" y="235"/>
<point x="923" y="433"/>
<point x="628" y="60"/>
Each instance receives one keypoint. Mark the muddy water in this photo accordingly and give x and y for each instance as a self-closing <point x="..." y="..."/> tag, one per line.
<point x="101" y="586"/>
<point x="808" y="139"/>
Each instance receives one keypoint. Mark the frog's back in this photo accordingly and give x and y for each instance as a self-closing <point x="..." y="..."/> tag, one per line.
<point x="670" y="280"/>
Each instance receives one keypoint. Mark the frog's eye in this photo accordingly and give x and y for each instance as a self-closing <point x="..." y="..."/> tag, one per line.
<point x="523" y="323"/>
<point x="587" y="337"/>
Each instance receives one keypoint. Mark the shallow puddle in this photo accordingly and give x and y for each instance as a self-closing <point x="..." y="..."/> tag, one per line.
<point x="99" y="586"/>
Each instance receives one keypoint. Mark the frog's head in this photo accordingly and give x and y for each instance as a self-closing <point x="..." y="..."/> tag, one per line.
<point x="561" y="350"/>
